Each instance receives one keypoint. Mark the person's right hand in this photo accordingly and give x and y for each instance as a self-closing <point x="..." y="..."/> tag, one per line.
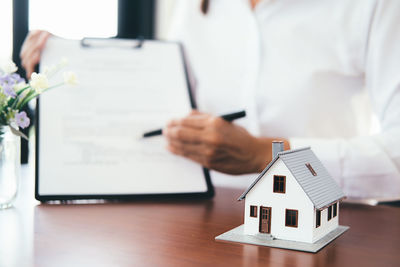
<point x="32" y="49"/>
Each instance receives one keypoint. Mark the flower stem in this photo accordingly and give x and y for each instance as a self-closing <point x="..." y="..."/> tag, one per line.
<point x="54" y="86"/>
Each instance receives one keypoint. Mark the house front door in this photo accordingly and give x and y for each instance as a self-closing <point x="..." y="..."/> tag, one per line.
<point x="265" y="220"/>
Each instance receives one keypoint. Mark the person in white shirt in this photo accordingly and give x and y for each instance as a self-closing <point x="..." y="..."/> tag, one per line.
<point x="309" y="73"/>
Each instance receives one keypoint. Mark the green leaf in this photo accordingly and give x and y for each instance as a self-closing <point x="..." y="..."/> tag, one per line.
<point x="22" y="89"/>
<point x="31" y="95"/>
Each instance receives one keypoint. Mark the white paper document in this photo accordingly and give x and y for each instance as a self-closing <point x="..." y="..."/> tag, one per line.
<point x="89" y="134"/>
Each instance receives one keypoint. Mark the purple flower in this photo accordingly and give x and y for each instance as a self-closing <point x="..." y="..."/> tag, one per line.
<point x="6" y="79"/>
<point x="9" y="90"/>
<point x="11" y="79"/>
<point x="17" y="78"/>
<point x="22" y="120"/>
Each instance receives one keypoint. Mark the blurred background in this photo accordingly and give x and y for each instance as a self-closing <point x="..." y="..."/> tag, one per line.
<point x="77" y="19"/>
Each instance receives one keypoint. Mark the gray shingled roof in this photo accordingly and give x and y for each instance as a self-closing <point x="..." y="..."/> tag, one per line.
<point x="321" y="189"/>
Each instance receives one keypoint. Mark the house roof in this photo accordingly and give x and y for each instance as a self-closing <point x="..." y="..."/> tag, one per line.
<point x="321" y="189"/>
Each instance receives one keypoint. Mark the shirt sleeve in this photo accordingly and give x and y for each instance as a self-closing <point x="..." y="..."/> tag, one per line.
<point x="369" y="166"/>
<point x="180" y="10"/>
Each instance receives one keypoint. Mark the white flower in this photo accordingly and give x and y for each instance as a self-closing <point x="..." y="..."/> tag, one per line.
<point x="70" y="78"/>
<point x="20" y="85"/>
<point x="39" y="82"/>
<point x="9" y="67"/>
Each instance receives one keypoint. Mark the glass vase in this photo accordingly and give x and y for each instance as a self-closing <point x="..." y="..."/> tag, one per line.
<point x="9" y="166"/>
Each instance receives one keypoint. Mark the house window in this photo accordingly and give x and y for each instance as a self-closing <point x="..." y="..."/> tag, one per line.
<point x="330" y="212"/>
<point x="334" y="210"/>
<point x="279" y="184"/>
<point x="253" y="211"/>
<point x="291" y="218"/>
<point x="318" y="219"/>
<point x="311" y="169"/>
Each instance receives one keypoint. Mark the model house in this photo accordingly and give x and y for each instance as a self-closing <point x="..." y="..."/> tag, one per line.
<point x="294" y="198"/>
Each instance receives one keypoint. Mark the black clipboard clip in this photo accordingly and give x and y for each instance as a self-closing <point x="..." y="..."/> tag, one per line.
<point x="91" y="42"/>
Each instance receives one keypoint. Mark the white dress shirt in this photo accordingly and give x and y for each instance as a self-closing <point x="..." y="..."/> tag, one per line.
<point x="314" y="71"/>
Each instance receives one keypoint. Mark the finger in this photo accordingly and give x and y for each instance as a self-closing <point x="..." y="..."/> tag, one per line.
<point x="185" y="149"/>
<point x="26" y="45"/>
<point x="192" y="156"/>
<point x="37" y="45"/>
<point x="196" y="120"/>
<point x="197" y="123"/>
<point x="43" y="40"/>
<point x="184" y="134"/>
<point x="29" y="49"/>
<point x="29" y="71"/>
<point x="30" y="64"/>
<point x="202" y="150"/>
<point x="173" y="123"/>
<point x="29" y="42"/>
<point x="201" y="154"/>
<point x="31" y="55"/>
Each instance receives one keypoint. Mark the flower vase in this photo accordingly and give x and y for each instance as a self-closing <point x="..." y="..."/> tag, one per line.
<point x="9" y="166"/>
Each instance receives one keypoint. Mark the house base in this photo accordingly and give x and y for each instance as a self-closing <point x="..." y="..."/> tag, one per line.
<point x="237" y="235"/>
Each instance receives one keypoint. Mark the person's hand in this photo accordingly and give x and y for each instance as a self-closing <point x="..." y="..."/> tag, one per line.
<point x="218" y="144"/>
<point x="32" y="49"/>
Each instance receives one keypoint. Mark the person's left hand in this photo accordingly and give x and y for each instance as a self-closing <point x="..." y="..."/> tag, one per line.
<point x="217" y="144"/>
<point x="32" y="49"/>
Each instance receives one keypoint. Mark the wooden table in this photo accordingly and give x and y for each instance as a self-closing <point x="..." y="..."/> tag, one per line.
<point x="176" y="233"/>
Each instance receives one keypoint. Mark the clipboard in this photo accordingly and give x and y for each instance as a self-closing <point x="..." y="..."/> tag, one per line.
<point x="58" y="181"/>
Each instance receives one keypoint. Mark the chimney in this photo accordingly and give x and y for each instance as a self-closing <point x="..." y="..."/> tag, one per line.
<point x="277" y="146"/>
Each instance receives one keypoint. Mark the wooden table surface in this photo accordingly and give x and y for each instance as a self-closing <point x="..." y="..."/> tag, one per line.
<point x="176" y="233"/>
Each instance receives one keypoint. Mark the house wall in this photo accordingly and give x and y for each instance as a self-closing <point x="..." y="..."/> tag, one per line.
<point x="326" y="226"/>
<point x="294" y="198"/>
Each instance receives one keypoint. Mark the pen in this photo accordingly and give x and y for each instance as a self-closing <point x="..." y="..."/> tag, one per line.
<point x="227" y="117"/>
